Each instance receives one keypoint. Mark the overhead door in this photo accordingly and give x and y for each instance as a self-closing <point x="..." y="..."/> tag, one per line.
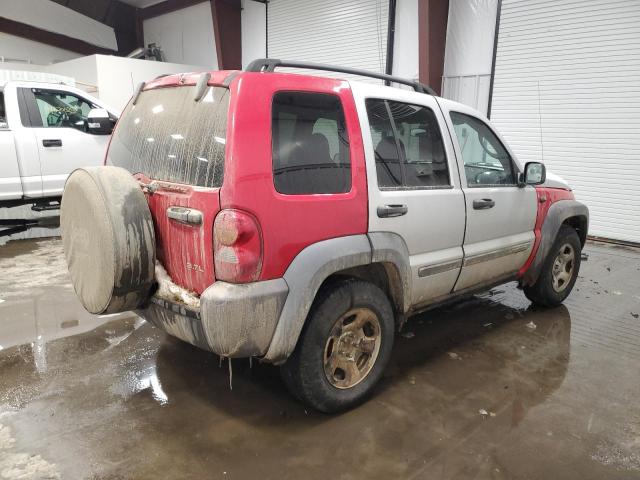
<point x="567" y="92"/>
<point x="349" y="33"/>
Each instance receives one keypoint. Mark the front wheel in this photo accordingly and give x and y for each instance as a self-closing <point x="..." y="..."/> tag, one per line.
<point x="344" y="347"/>
<point x="559" y="272"/>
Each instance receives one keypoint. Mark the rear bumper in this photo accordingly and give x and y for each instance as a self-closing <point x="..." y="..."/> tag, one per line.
<point x="233" y="320"/>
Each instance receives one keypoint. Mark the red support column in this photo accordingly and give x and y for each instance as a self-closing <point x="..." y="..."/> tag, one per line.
<point x="432" y="35"/>
<point x="227" y="33"/>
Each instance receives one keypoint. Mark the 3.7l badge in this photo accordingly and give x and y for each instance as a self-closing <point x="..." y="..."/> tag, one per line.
<point x="195" y="267"/>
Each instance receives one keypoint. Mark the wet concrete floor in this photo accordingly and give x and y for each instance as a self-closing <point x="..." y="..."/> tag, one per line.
<point x="487" y="388"/>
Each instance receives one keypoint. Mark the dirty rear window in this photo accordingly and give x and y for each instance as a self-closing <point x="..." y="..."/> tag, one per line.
<point x="168" y="136"/>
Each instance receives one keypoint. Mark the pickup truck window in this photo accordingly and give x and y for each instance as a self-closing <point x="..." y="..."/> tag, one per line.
<point x="62" y="109"/>
<point x="3" y="114"/>
<point x="486" y="161"/>
<point x="407" y="144"/>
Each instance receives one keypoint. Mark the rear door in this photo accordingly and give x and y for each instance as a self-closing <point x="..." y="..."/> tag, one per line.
<point x="500" y="215"/>
<point x="413" y="183"/>
<point x="59" y="126"/>
<point x="177" y="145"/>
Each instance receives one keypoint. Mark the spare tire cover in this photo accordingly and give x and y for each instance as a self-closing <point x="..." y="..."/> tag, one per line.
<point x="108" y="239"/>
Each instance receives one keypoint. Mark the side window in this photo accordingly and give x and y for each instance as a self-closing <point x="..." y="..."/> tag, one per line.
<point x="3" y="114"/>
<point x="408" y="146"/>
<point x="61" y="109"/>
<point x="486" y="161"/>
<point x="385" y="149"/>
<point x="310" y="144"/>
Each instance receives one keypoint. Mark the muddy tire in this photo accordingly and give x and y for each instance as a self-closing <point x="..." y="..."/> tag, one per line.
<point x="559" y="272"/>
<point x="344" y="347"/>
<point x="108" y="239"/>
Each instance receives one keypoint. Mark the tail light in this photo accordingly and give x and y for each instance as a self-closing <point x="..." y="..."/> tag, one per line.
<point x="237" y="247"/>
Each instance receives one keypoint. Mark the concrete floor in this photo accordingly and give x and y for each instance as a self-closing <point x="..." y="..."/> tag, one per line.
<point x="473" y="391"/>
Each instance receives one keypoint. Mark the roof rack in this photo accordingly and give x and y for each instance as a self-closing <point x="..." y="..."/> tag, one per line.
<point x="270" y="64"/>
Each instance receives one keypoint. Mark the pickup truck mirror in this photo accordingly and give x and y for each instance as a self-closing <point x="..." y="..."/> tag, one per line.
<point x="535" y="173"/>
<point x="99" y="122"/>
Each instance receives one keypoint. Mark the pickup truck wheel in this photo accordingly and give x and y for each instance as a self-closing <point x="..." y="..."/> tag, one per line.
<point x="559" y="272"/>
<point x="344" y="347"/>
<point x="108" y="239"/>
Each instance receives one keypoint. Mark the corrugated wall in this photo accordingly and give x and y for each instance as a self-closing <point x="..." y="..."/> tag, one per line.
<point x="567" y="92"/>
<point x="350" y="33"/>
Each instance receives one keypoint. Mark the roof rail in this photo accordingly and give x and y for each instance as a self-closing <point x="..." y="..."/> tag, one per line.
<point x="270" y="64"/>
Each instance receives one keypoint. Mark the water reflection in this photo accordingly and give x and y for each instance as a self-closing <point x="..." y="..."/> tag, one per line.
<point x="480" y="350"/>
<point x="126" y="376"/>
<point x="44" y="316"/>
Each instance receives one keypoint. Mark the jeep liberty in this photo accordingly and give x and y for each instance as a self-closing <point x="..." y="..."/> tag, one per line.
<point x="301" y="219"/>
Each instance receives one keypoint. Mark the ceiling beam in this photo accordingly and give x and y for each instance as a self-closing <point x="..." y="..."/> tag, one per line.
<point x="19" y="29"/>
<point x="167" y="6"/>
<point x="113" y="13"/>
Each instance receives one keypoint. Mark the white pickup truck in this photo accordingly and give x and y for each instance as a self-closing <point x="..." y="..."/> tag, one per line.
<point x="47" y="130"/>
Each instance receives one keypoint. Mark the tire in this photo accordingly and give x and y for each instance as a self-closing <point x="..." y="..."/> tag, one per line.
<point x="108" y="239"/>
<point x="550" y="290"/>
<point x="341" y="308"/>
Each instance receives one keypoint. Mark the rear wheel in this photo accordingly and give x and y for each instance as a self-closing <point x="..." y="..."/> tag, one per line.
<point x="344" y="347"/>
<point x="559" y="272"/>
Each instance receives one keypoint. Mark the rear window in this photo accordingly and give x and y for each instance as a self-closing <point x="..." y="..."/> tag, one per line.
<point x="310" y="144"/>
<point x="169" y="136"/>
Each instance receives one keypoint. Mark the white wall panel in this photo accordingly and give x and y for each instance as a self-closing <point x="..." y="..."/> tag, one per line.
<point x="406" y="44"/>
<point x="118" y="77"/>
<point x="468" y="52"/>
<point x="21" y="50"/>
<point x="186" y="35"/>
<point x="567" y="92"/>
<point x="254" y="31"/>
<point x="56" y="18"/>
<point x="350" y="33"/>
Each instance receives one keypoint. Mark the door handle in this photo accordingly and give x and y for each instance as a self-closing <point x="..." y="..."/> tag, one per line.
<point x="483" y="204"/>
<point x="52" y="143"/>
<point x="188" y="216"/>
<point x="387" y="211"/>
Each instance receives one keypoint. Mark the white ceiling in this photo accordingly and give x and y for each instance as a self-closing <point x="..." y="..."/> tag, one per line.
<point x="141" y="3"/>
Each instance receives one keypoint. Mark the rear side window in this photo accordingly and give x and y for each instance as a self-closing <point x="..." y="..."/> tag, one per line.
<point x="168" y="136"/>
<point x="408" y="146"/>
<point x="310" y="144"/>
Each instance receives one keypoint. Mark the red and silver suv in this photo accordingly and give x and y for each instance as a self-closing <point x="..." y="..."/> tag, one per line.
<point x="300" y="220"/>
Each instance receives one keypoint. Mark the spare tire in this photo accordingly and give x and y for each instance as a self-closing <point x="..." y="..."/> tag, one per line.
<point x="108" y="239"/>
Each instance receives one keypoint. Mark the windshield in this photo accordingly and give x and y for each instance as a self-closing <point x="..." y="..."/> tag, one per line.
<point x="168" y="136"/>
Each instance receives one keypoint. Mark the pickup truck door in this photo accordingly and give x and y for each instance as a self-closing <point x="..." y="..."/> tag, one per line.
<point x="10" y="184"/>
<point x="19" y="160"/>
<point x="413" y="183"/>
<point x="58" y="120"/>
<point x="501" y="215"/>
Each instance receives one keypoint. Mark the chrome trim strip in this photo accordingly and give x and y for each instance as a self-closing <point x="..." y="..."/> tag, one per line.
<point x="503" y="252"/>
<point x="188" y="216"/>
<point x="439" y="268"/>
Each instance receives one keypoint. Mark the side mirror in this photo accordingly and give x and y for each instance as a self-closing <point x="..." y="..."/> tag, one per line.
<point x="535" y="173"/>
<point x="99" y="122"/>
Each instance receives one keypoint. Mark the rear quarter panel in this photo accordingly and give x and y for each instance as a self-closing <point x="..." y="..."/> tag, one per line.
<point x="289" y="223"/>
